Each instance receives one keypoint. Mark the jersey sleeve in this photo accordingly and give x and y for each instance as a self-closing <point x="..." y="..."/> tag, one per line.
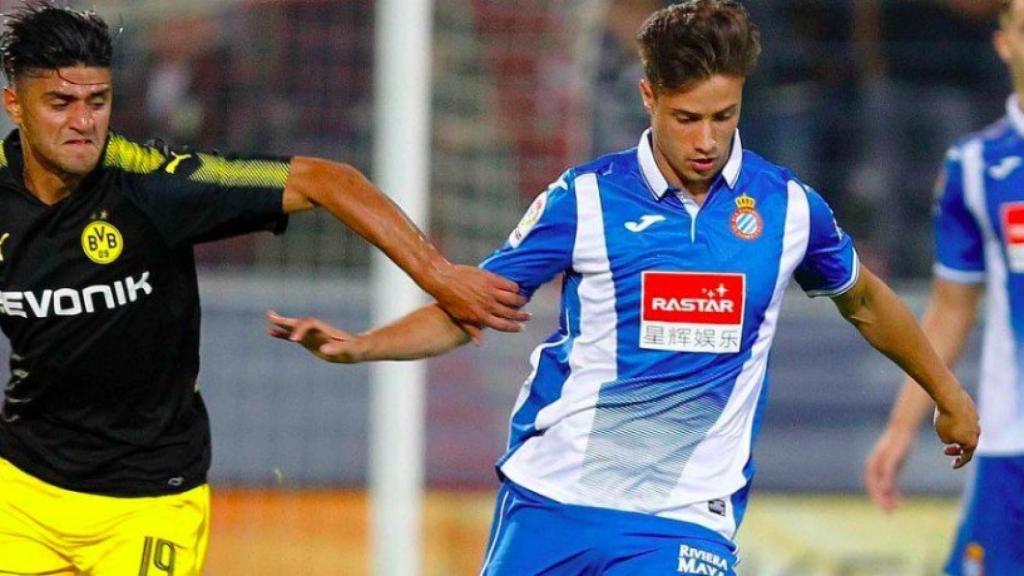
<point x="830" y="266"/>
<point x="959" y="245"/>
<point x="541" y="245"/>
<point x="194" y="197"/>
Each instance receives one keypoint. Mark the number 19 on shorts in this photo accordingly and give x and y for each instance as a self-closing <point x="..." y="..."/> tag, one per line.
<point x="157" y="557"/>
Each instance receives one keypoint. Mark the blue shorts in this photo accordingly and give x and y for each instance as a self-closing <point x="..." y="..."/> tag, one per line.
<point x="532" y="535"/>
<point x="991" y="536"/>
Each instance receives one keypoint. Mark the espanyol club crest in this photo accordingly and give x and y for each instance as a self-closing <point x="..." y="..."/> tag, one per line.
<point x="746" y="221"/>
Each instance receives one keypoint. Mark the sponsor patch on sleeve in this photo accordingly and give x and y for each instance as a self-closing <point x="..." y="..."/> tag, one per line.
<point x="529" y="220"/>
<point x="692" y="312"/>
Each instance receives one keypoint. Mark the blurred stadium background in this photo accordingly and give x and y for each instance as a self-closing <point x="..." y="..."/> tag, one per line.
<point x="858" y="102"/>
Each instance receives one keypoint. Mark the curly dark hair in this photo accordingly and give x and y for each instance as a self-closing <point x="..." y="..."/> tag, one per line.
<point x="44" y="36"/>
<point x="695" y="40"/>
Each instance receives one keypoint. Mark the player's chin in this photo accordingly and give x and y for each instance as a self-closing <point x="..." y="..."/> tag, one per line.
<point x="80" y="166"/>
<point x="77" y="158"/>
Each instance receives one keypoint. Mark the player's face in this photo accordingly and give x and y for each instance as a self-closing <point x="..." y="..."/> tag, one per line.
<point x="63" y="115"/>
<point x="1009" y="41"/>
<point x="693" y="128"/>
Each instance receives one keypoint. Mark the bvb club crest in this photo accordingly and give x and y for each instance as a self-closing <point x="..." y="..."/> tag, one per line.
<point x="746" y="221"/>
<point x="102" y="241"/>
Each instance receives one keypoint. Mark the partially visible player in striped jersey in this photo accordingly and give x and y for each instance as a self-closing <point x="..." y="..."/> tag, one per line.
<point x="979" y="248"/>
<point x="630" y="444"/>
<point x="104" y="439"/>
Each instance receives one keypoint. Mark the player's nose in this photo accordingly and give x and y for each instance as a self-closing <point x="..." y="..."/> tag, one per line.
<point x="82" y="119"/>
<point x="705" y="143"/>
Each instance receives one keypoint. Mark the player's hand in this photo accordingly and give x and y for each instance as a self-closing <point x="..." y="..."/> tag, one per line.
<point x="320" y="338"/>
<point x="478" y="298"/>
<point x="957" y="426"/>
<point x="883" y="466"/>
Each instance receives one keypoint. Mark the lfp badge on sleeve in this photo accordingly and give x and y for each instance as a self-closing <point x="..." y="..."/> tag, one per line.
<point x="692" y="312"/>
<point x="1013" y="233"/>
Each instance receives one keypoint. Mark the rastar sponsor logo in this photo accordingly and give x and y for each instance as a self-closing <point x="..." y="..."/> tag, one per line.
<point x="696" y="561"/>
<point x="1013" y="234"/>
<point x="709" y="304"/>
<point x="692" y="312"/>
<point x="75" y="301"/>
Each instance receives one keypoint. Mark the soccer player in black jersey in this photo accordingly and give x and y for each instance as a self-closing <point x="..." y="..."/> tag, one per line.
<point x="104" y="439"/>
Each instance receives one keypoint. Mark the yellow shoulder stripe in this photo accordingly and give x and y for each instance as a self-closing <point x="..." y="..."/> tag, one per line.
<point x="131" y="157"/>
<point x="3" y="156"/>
<point x="240" y="173"/>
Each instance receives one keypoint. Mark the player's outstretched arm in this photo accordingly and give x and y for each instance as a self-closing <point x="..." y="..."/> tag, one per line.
<point x="888" y="325"/>
<point x="428" y="331"/>
<point x="473" y="296"/>
<point x="948" y="320"/>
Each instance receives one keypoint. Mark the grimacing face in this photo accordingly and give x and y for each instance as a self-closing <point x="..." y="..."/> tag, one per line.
<point x="63" y="116"/>
<point x="693" y="128"/>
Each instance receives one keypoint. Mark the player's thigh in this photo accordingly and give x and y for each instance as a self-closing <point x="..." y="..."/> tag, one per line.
<point x="166" y="536"/>
<point x="989" y="536"/>
<point x="28" y="544"/>
<point x="532" y="536"/>
<point x="22" y="556"/>
<point x="670" y="556"/>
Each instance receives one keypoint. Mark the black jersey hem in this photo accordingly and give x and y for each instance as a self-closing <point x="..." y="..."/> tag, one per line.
<point x="99" y="489"/>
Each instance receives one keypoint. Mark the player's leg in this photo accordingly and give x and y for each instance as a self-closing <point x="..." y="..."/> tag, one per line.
<point x="28" y="545"/>
<point x="163" y="536"/>
<point x="532" y="535"/>
<point x="989" y="537"/>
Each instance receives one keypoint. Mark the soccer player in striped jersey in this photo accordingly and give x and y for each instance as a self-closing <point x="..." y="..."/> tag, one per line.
<point x="631" y="440"/>
<point x="979" y="248"/>
<point x="104" y="439"/>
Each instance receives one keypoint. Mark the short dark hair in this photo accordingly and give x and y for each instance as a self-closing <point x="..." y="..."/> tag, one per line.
<point x="697" y="39"/>
<point x="44" y="36"/>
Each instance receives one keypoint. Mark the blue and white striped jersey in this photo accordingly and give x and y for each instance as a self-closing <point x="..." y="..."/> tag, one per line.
<point x="648" y="397"/>
<point x="979" y="237"/>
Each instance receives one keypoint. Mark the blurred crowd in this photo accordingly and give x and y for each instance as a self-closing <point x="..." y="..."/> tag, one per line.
<point x="859" y="97"/>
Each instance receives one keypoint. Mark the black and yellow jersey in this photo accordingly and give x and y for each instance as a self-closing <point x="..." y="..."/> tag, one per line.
<point x="98" y="297"/>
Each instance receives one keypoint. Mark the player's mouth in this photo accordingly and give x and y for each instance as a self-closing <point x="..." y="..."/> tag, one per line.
<point x="702" y="164"/>
<point x="78" y="142"/>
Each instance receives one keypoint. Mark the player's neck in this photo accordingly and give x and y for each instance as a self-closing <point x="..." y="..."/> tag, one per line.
<point x="45" y="181"/>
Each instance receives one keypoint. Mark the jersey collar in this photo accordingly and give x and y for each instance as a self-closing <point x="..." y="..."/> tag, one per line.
<point x="656" y="181"/>
<point x="1014" y="113"/>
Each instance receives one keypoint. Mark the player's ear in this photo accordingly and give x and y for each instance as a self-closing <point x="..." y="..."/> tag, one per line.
<point x="12" y="106"/>
<point x="1001" y="45"/>
<point x="647" y="95"/>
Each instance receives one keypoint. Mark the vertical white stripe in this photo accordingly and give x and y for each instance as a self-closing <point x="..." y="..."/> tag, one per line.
<point x="527" y="387"/>
<point x="715" y="470"/>
<point x="998" y="395"/>
<point x="502" y="512"/>
<point x="552" y="462"/>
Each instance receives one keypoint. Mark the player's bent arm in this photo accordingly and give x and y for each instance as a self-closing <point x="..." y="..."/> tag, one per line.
<point x="423" y="333"/>
<point x="471" y="295"/>
<point x="428" y="331"/>
<point x="947" y="321"/>
<point x="889" y="326"/>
